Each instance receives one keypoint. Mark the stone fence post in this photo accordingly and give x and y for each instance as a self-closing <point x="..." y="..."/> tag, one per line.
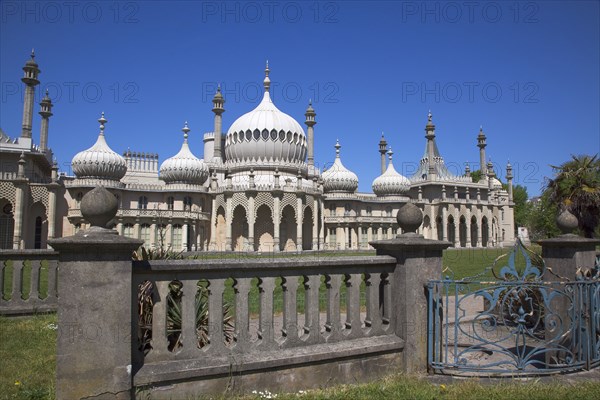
<point x="418" y="261"/>
<point x="568" y="255"/>
<point x="95" y="306"/>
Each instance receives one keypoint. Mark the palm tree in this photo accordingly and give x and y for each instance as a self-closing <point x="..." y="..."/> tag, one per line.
<point x="576" y="186"/>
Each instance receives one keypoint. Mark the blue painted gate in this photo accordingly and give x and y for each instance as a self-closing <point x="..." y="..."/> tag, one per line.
<point x="523" y="322"/>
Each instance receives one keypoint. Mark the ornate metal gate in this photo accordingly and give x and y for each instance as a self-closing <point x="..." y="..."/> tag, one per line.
<point x="517" y="324"/>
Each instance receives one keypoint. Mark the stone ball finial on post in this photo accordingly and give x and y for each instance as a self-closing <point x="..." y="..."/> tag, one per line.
<point x="99" y="207"/>
<point x="567" y="222"/>
<point x="410" y="218"/>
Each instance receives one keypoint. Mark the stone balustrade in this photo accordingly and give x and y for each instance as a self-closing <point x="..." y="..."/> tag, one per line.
<point x="28" y="281"/>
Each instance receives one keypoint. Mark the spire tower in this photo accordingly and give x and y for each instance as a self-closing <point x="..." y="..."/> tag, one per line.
<point x="430" y="136"/>
<point x="46" y="113"/>
<point x="310" y="123"/>
<point x="218" y="109"/>
<point x="30" y="79"/>
<point x="382" y="150"/>
<point x="481" y="143"/>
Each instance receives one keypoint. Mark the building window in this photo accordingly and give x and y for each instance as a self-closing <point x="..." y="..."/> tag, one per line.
<point x="347" y="209"/>
<point x="170" y="202"/>
<point x="7" y="226"/>
<point x="332" y="210"/>
<point x="37" y="241"/>
<point x="332" y="237"/>
<point x="128" y="230"/>
<point x="145" y="234"/>
<point x="187" y="203"/>
<point x="388" y="211"/>
<point x="364" y="237"/>
<point x="176" y="237"/>
<point x="160" y="236"/>
<point x="77" y="228"/>
<point x="143" y="203"/>
<point x="369" y="211"/>
<point x="78" y="198"/>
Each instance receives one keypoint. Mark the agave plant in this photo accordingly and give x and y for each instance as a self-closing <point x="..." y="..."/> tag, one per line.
<point x="146" y="304"/>
<point x="143" y="254"/>
<point x="201" y="305"/>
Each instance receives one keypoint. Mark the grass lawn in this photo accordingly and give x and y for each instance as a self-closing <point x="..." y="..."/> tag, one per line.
<point x="27" y="357"/>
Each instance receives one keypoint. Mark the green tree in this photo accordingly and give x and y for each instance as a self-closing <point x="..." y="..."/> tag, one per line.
<point x="576" y="186"/>
<point x="541" y="219"/>
<point x="476" y="175"/>
<point x="522" y="206"/>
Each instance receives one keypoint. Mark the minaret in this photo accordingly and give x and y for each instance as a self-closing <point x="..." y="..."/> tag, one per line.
<point x="310" y="122"/>
<point x="430" y="136"/>
<point x="30" y="79"/>
<point x="218" y="109"/>
<point x="509" y="178"/>
<point x="383" y="151"/>
<point x="481" y="144"/>
<point x="490" y="174"/>
<point x="46" y="113"/>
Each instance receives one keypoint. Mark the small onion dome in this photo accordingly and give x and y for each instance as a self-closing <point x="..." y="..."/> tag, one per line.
<point x="184" y="167"/>
<point x="496" y="184"/>
<point x="99" y="161"/>
<point x="390" y="183"/>
<point x="31" y="61"/>
<point x="338" y="178"/>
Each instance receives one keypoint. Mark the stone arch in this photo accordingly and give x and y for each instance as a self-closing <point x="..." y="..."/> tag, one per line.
<point x="451" y="234"/>
<point x="474" y="231"/>
<point x="220" y="229"/>
<point x="264" y="229"/>
<point x="462" y="231"/>
<point x="426" y="227"/>
<point x="287" y="229"/>
<point x="36" y="226"/>
<point x="7" y="224"/>
<point x="239" y="229"/>
<point x="485" y="232"/>
<point x="439" y="227"/>
<point x="307" y="231"/>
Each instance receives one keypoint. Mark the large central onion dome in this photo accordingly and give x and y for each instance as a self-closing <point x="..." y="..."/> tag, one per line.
<point x="184" y="167"/>
<point x="390" y="183"/>
<point x="338" y="178"/>
<point x="99" y="161"/>
<point x="266" y="134"/>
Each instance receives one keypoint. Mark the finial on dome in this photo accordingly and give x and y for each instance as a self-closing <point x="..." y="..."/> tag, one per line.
<point x="429" y="116"/>
<point x="185" y="130"/>
<point x="390" y="153"/>
<point x="267" y="81"/>
<point x="337" y="148"/>
<point x="32" y="53"/>
<point x="102" y="121"/>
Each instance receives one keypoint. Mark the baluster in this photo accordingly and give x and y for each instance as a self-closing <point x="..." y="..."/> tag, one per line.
<point x="333" y="325"/>
<point x="159" y="322"/>
<point x="312" y="332"/>
<point x="386" y="307"/>
<point x="242" y="336"/>
<point x="353" y="323"/>
<point x="373" y="318"/>
<point x="215" y="316"/>
<point x="17" y="283"/>
<point x="2" y="268"/>
<point x="52" y="287"/>
<point x="289" y="284"/>
<point x="266" y="338"/>
<point x="189" y="337"/>
<point x="34" y="292"/>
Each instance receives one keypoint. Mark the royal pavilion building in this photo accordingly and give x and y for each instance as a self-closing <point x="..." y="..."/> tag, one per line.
<point x="255" y="188"/>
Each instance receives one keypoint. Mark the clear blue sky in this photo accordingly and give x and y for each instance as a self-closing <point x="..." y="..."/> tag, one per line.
<point x="527" y="71"/>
